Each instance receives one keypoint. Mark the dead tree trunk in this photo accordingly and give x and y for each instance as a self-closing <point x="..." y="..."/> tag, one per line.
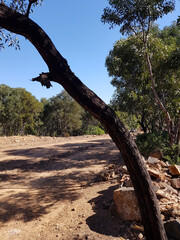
<point x="60" y="72"/>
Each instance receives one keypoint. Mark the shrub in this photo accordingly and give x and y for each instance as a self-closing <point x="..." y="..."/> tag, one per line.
<point x="94" y="130"/>
<point x="148" y="142"/>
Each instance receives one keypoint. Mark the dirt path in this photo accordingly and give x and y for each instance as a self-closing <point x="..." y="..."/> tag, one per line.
<point x="49" y="188"/>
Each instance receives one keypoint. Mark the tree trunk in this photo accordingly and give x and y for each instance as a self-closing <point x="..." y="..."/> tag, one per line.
<point x="169" y="121"/>
<point x="60" y="72"/>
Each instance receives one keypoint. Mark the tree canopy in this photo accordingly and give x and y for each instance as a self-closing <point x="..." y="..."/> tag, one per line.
<point x="131" y="77"/>
<point x="137" y="18"/>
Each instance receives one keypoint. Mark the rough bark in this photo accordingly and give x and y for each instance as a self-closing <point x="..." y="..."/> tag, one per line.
<point x="60" y="72"/>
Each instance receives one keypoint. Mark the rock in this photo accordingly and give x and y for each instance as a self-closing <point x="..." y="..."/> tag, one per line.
<point x="104" y="176"/>
<point x="111" y="166"/>
<point x="136" y="227"/>
<point x="156" y="154"/>
<point x="128" y="183"/>
<point x="170" y="189"/>
<point x="163" y="164"/>
<point x="152" y="160"/>
<point x="124" y="169"/>
<point x="172" y="228"/>
<point x="174" y="170"/>
<point x="124" y="180"/>
<point x="14" y="231"/>
<point x="126" y="204"/>
<point x="175" y="182"/>
<point x="140" y="236"/>
<point x="160" y="193"/>
<point x="156" y="174"/>
<point x="175" y="213"/>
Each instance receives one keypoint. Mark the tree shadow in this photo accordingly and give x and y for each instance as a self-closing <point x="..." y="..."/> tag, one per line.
<point x="58" y="159"/>
<point x="31" y="186"/>
<point x="105" y="221"/>
<point x="35" y="201"/>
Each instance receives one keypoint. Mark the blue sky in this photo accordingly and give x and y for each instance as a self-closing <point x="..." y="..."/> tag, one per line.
<point x="77" y="32"/>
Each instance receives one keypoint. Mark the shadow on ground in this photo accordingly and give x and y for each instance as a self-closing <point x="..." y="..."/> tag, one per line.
<point x="40" y="181"/>
<point x="105" y="221"/>
<point x="58" y="159"/>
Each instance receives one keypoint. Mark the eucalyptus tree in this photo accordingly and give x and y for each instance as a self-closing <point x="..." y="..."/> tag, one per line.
<point x="61" y="115"/>
<point x="19" y="111"/>
<point x="14" y="17"/>
<point x="135" y="17"/>
<point x="130" y="77"/>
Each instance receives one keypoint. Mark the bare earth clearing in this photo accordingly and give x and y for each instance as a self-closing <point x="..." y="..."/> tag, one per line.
<point x="49" y="188"/>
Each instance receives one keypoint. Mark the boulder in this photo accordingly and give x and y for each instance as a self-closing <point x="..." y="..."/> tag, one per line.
<point x="126" y="204"/>
<point x="172" y="228"/>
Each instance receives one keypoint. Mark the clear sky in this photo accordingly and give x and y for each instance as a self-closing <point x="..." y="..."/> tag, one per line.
<point x="77" y="32"/>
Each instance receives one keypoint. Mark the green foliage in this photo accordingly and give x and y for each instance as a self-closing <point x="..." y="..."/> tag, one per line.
<point x="61" y="116"/>
<point x="129" y="120"/>
<point x="90" y="125"/>
<point x="21" y="6"/>
<point x="132" y="81"/>
<point x="94" y="130"/>
<point x="149" y="142"/>
<point x="19" y="111"/>
<point x="134" y="15"/>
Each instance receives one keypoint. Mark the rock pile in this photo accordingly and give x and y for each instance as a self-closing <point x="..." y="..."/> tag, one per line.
<point x="166" y="181"/>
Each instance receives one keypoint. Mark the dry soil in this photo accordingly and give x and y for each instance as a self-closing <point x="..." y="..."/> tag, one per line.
<point x="49" y="188"/>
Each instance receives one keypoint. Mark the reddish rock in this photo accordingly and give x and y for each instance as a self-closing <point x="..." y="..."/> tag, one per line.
<point x="156" y="154"/>
<point x="156" y="174"/>
<point x="174" y="170"/>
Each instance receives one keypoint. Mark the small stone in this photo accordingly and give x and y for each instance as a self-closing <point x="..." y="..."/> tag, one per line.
<point x="163" y="164"/>
<point x="156" y="174"/>
<point x="124" y="169"/>
<point x="160" y="193"/>
<point x="111" y="166"/>
<point x="128" y="183"/>
<point x="140" y="236"/>
<point x="73" y="209"/>
<point x="170" y="189"/>
<point x="175" y="182"/>
<point x="152" y="160"/>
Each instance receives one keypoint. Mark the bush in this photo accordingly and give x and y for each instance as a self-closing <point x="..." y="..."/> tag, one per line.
<point x="148" y="142"/>
<point x="94" y="130"/>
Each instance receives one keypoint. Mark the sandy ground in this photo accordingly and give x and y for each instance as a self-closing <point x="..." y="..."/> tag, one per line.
<point x="49" y="188"/>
